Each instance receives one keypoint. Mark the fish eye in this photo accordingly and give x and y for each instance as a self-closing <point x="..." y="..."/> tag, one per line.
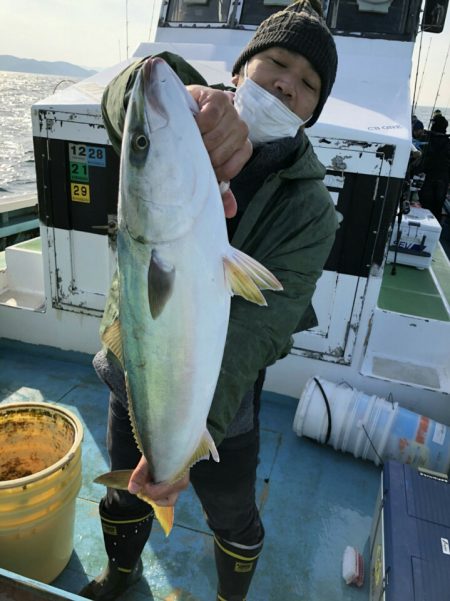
<point x="140" y="142"/>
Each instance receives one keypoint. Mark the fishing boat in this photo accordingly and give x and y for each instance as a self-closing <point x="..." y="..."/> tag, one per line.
<point x="383" y="304"/>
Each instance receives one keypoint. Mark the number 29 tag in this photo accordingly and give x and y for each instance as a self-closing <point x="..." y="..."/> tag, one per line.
<point x="80" y="193"/>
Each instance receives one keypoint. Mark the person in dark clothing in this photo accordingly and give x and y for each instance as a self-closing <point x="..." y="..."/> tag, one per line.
<point x="286" y="219"/>
<point x="416" y="127"/>
<point x="435" y="163"/>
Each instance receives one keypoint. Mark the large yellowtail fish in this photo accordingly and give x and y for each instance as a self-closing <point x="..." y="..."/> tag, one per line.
<point x="176" y="274"/>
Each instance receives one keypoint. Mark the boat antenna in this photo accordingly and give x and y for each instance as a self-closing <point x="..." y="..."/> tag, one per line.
<point x="152" y="20"/>
<point x="416" y="102"/>
<point x="126" y="24"/>
<point x="440" y="83"/>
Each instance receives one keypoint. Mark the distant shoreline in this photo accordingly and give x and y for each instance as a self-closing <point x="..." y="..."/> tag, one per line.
<point x="30" y="65"/>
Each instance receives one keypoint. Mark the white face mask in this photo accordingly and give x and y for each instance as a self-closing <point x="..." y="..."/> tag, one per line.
<point x="266" y="117"/>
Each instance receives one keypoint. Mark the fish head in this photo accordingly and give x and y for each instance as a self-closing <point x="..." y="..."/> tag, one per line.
<point x="166" y="173"/>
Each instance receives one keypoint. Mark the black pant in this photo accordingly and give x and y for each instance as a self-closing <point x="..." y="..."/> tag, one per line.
<point x="433" y="193"/>
<point x="226" y="489"/>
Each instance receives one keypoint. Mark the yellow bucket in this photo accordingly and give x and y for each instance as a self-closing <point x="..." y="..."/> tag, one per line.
<point x="40" y="476"/>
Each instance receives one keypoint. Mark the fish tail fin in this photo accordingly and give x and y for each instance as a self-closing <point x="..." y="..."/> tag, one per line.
<point x="164" y="515"/>
<point x="246" y="277"/>
<point x="119" y="479"/>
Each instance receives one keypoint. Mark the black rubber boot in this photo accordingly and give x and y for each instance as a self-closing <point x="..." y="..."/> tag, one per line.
<point x="235" y="568"/>
<point x="111" y="583"/>
<point x="124" y="542"/>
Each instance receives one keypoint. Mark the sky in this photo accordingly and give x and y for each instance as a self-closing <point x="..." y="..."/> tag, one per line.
<point x="89" y="33"/>
<point x="432" y="60"/>
<point x="92" y="33"/>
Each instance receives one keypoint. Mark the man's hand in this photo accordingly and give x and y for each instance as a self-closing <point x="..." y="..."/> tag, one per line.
<point x="225" y="136"/>
<point x="165" y="495"/>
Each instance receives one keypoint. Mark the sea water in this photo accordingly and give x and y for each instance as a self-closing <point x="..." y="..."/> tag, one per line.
<point x="18" y="92"/>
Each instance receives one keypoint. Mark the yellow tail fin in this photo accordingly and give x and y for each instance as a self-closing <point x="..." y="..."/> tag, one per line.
<point x="119" y="479"/>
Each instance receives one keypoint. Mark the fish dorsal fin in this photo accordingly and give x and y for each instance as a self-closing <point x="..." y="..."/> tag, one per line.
<point x="112" y="339"/>
<point x="203" y="451"/>
<point x="161" y="278"/>
<point x="111" y="310"/>
<point x="246" y="277"/>
<point x="119" y="480"/>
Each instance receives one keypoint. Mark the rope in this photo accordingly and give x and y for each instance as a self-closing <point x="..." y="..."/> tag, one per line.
<point x="327" y="404"/>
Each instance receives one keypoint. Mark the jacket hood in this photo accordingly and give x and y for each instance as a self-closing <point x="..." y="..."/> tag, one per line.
<point x="306" y="165"/>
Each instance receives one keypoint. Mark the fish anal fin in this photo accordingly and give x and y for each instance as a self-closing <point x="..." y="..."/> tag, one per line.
<point x="112" y="339"/>
<point x="119" y="479"/>
<point x="246" y="277"/>
<point x="160" y="281"/>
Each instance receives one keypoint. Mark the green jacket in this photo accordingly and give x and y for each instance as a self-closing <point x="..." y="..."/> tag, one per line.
<point x="289" y="226"/>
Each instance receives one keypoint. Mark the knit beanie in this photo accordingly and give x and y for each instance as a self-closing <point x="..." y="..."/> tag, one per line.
<point x="299" y="28"/>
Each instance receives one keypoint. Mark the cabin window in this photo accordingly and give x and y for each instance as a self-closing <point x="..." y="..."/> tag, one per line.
<point x="374" y="18"/>
<point x="255" y="11"/>
<point x="393" y="19"/>
<point x="243" y="13"/>
<point x="198" y="11"/>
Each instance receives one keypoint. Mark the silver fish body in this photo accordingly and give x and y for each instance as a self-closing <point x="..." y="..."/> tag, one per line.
<point x="176" y="275"/>
<point x="170" y="221"/>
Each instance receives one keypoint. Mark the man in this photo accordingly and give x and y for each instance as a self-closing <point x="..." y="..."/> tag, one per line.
<point x="285" y="219"/>
<point x="417" y="132"/>
<point x="435" y="163"/>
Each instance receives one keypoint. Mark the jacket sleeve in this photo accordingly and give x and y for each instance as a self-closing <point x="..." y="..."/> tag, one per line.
<point x="258" y="336"/>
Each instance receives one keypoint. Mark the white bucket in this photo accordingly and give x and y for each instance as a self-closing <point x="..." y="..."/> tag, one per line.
<point x="371" y="427"/>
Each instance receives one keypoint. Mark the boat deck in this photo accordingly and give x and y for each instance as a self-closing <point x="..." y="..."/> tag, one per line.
<point x="314" y="501"/>
<point x="420" y="292"/>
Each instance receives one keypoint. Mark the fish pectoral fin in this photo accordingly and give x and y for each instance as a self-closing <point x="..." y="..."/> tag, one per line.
<point x="112" y="339"/>
<point x="160" y="281"/>
<point x="246" y="277"/>
<point x="119" y="479"/>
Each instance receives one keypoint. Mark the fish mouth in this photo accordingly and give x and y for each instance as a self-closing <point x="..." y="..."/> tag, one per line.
<point x="153" y="87"/>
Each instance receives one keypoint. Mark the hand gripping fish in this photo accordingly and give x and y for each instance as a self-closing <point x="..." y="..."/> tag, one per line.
<point x="176" y="274"/>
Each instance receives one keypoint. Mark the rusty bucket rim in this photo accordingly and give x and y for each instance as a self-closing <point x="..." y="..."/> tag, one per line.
<point x="61" y="463"/>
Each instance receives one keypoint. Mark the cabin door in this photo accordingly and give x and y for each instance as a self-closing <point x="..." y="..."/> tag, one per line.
<point x="358" y="179"/>
<point x="77" y="177"/>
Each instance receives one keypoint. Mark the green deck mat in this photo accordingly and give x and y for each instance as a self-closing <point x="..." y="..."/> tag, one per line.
<point x="413" y="291"/>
